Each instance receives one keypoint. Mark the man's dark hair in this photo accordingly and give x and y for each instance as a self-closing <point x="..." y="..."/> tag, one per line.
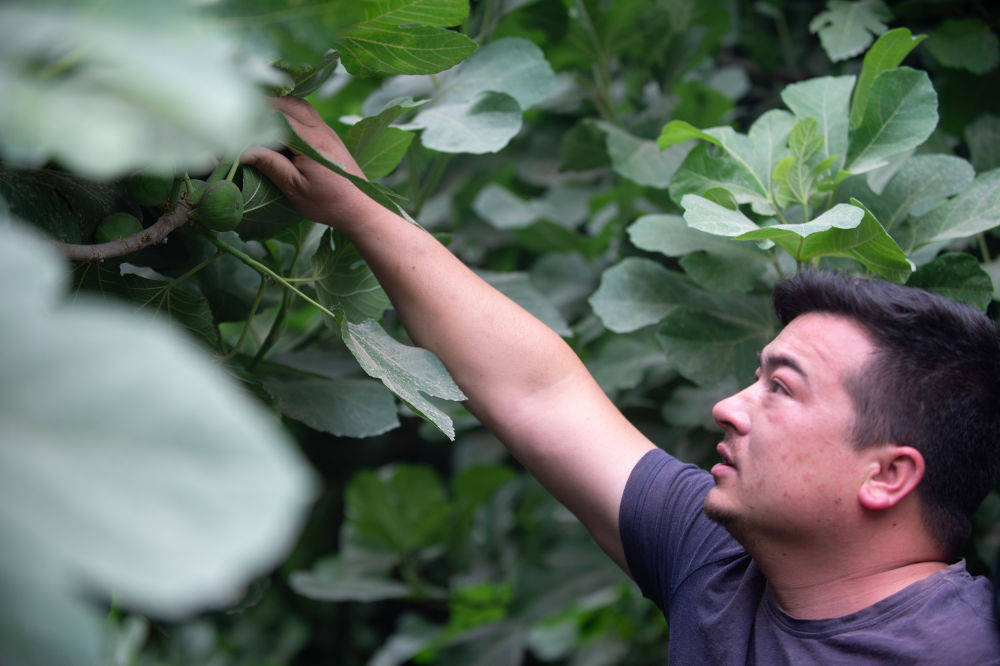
<point x="934" y="384"/>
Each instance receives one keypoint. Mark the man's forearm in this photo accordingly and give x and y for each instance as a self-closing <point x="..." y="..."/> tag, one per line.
<point x="496" y="351"/>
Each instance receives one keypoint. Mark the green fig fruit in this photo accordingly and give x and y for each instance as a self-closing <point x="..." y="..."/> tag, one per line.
<point x="221" y="206"/>
<point x="150" y="190"/>
<point x="117" y="225"/>
<point x="195" y="192"/>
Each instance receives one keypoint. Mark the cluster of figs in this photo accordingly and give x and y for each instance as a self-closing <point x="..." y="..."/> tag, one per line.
<point x="218" y="203"/>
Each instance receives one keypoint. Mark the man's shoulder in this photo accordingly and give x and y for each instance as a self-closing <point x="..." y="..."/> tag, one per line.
<point x="947" y="616"/>
<point x="962" y="603"/>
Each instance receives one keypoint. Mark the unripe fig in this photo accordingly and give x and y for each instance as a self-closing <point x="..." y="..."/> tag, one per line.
<point x="196" y="190"/>
<point x="117" y="225"/>
<point x="150" y="190"/>
<point x="221" y="207"/>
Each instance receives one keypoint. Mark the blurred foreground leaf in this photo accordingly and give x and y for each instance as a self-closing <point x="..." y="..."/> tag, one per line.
<point x="131" y="467"/>
<point x="105" y="88"/>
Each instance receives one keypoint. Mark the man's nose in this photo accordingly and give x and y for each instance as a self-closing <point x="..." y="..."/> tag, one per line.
<point x="731" y="413"/>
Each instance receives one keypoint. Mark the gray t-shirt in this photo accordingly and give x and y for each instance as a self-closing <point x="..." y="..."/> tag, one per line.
<point x="716" y="600"/>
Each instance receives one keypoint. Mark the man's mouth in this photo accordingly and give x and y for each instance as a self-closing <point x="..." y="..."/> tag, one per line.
<point x="724" y="453"/>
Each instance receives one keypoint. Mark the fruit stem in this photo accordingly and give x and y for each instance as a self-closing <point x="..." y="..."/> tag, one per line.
<point x="232" y="170"/>
<point x="264" y="270"/>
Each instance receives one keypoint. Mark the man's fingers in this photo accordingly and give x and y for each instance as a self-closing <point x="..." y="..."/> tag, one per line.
<point x="278" y="168"/>
<point x="297" y="110"/>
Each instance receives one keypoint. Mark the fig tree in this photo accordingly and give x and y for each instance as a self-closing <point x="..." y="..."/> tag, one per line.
<point x="150" y="190"/>
<point x="220" y="207"/>
<point x="117" y="225"/>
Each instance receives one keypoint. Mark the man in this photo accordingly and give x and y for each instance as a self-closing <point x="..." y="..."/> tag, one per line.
<point x="827" y="533"/>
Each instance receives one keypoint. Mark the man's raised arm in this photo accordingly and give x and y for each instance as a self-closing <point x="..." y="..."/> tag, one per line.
<point x="523" y="382"/>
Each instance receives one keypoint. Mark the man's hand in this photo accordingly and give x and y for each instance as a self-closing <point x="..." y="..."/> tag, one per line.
<point x="315" y="191"/>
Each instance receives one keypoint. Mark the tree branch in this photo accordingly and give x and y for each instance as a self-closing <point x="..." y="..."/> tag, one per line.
<point x="167" y="223"/>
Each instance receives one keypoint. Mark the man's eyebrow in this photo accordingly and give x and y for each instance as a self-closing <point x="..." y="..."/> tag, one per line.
<point x="777" y="360"/>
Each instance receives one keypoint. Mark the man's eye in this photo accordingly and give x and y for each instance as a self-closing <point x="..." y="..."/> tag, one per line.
<point x="774" y="386"/>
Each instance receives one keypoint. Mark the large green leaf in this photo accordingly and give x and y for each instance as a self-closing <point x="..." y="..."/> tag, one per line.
<point x="740" y="163"/>
<point x="482" y="125"/>
<point x="826" y="99"/>
<point x="409" y="372"/>
<point x="563" y="204"/>
<point x="345" y="407"/>
<point x="344" y="281"/>
<point x="974" y="210"/>
<point x="671" y="235"/>
<point x="886" y="53"/>
<point x="108" y="87"/>
<point x="795" y="176"/>
<point x="845" y="28"/>
<point x="719" y="264"/>
<point x="362" y="577"/>
<point x="479" y="104"/>
<point x="401" y="508"/>
<point x="510" y="65"/>
<point x="229" y="285"/>
<point x="957" y="276"/>
<point x="624" y="360"/>
<point x="921" y="183"/>
<point x="155" y="479"/>
<point x="965" y="43"/>
<point x="181" y="302"/>
<point x="901" y="113"/>
<point x="768" y="136"/>
<point x="308" y="79"/>
<point x="406" y="37"/>
<point x="642" y="160"/>
<point x="846" y="230"/>
<point x="710" y="217"/>
<point x="374" y="48"/>
<point x="266" y="210"/>
<point x="416" y="12"/>
<point x="637" y="292"/>
<point x="376" y="146"/>
<point x="709" y="168"/>
<point x="707" y="346"/>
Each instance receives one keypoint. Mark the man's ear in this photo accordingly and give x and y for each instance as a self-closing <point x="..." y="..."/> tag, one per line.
<point x="892" y="474"/>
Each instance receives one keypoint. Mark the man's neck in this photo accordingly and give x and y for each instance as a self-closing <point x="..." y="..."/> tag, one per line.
<point x="816" y="590"/>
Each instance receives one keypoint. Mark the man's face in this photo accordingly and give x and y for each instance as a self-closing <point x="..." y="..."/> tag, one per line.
<point x="789" y="467"/>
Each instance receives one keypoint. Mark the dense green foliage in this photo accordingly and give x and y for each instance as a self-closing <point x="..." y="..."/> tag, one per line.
<point x="636" y="174"/>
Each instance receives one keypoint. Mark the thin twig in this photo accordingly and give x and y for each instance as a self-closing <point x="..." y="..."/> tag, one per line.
<point x="249" y="321"/>
<point x="189" y="273"/>
<point x="279" y="319"/>
<point x="119" y="247"/>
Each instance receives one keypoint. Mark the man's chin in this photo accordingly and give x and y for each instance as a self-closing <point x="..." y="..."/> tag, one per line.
<point x="720" y="514"/>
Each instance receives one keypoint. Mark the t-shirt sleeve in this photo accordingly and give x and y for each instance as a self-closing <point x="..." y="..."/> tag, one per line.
<point x="665" y="534"/>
